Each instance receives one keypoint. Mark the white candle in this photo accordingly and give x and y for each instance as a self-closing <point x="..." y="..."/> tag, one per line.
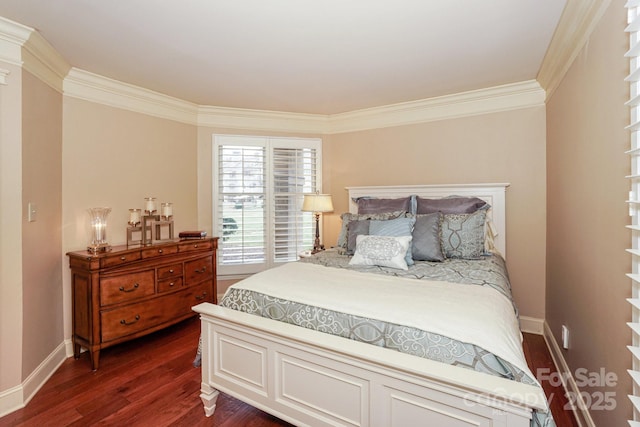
<point x="167" y="209"/>
<point x="99" y="232"/>
<point x="134" y="216"/>
<point x="150" y="205"/>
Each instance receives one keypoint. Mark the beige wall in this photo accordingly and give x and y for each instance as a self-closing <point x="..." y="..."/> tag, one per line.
<point x="116" y="158"/>
<point x="10" y="232"/>
<point x="42" y="239"/>
<point x="501" y="147"/>
<point x="586" y="259"/>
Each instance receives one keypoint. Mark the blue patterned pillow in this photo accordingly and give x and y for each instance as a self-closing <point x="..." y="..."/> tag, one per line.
<point x="394" y="227"/>
<point x="463" y="235"/>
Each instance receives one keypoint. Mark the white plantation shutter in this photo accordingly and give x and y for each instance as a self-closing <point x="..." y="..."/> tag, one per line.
<point x="633" y="28"/>
<point x="259" y="183"/>
<point x="294" y="173"/>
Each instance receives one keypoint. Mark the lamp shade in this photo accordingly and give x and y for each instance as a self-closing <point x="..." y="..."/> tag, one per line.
<point x="317" y="203"/>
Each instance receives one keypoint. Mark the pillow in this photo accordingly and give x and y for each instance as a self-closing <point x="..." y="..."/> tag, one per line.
<point x="450" y="205"/>
<point x="463" y="235"/>
<point x="368" y="205"/>
<point x="348" y="217"/>
<point x="394" y="227"/>
<point x="383" y="251"/>
<point x="354" y="229"/>
<point x="426" y="245"/>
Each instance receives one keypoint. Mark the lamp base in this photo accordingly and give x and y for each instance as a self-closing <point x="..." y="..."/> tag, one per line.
<point x="95" y="249"/>
<point x="317" y="247"/>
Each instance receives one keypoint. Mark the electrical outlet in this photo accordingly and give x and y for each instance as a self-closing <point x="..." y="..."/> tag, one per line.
<point x="565" y="337"/>
<point x="32" y="210"/>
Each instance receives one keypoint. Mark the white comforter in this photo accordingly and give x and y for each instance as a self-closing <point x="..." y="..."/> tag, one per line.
<point x="473" y="314"/>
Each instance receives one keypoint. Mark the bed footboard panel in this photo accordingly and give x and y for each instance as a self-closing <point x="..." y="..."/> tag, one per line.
<point x="310" y="384"/>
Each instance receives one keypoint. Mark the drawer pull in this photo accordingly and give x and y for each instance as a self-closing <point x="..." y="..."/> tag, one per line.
<point x="201" y="297"/>
<point x="123" y="258"/>
<point x="171" y="284"/>
<point x="171" y="271"/>
<point x="124" y="322"/>
<point x="122" y="289"/>
<point x="202" y="270"/>
<point x="159" y="251"/>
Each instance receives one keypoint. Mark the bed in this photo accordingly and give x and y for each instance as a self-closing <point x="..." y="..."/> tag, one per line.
<point x="279" y="345"/>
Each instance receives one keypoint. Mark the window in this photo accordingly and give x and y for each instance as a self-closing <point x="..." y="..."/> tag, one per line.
<point x="633" y="15"/>
<point x="258" y="187"/>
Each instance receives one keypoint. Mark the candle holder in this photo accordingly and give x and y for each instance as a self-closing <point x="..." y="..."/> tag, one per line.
<point x="134" y="230"/>
<point x="150" y="227"/>
<point x="98" y="221"/>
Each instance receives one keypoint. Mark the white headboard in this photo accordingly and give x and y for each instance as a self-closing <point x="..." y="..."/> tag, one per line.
<point x="494" y="194"/>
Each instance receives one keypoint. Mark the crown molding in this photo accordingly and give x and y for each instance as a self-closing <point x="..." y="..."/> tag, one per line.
<point x="25" y="47"/>
<point x="483" y="101"/>
<point x="12" y="37"/>
<point x="44" y="62"/>
<point x="262" y="120"/>
<point x="576" y="24"/>
<point x="95" y="88"/>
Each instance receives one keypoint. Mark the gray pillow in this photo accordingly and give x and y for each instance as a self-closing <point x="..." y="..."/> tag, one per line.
<point x="463" y="235"/>
<point x="367" y="205"/>
<point x="450" y="205"/>
<point x="426" y="245"/>
<point x="347" y="217"/>
<point x="355" y="229"/>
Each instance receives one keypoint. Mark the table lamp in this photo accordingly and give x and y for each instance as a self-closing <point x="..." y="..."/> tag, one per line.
<point x="317" y="203"/>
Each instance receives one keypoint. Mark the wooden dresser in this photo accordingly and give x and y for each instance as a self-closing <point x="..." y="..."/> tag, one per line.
<point x="131" y="291"/>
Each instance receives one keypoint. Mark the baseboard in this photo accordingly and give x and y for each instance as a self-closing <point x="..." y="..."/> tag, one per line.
<point x="532" y="325"/>
<point x="568" y="381"/>
<point x="17" y="397"/>
<point x="68" y="347"/>
<point x="11" y="400"/>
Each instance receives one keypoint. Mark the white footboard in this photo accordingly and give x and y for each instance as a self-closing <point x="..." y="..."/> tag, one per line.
<point x="312" y="378"/>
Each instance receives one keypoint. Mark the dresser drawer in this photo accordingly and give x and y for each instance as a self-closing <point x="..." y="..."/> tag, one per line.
<point x="119" y="259"/>
<point x="170" y="284"/>
<point x="197" y="294"/>
<point x="155" y="252"/>
<point x="198" y="270"/>
<point x="196" y="245"/>
<point x="126" y="287"/>
<point x="132" y="319"/>
<point x="170" y="271"/>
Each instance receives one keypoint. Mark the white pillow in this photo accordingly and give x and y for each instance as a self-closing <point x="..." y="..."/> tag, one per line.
<point x="383" y="251"/>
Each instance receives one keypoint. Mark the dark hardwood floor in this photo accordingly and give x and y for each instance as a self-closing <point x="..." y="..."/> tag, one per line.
<point x="151" y="381"/>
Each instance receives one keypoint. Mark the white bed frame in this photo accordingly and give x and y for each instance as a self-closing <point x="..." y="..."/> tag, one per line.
<point x="312" y="378"/>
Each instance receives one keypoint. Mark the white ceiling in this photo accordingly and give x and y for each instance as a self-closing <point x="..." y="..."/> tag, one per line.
<point x="306" y="56"/>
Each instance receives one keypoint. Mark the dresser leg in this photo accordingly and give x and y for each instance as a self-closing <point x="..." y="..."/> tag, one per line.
<point x="76" y="350"/>
<point x="95" y="359"/>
